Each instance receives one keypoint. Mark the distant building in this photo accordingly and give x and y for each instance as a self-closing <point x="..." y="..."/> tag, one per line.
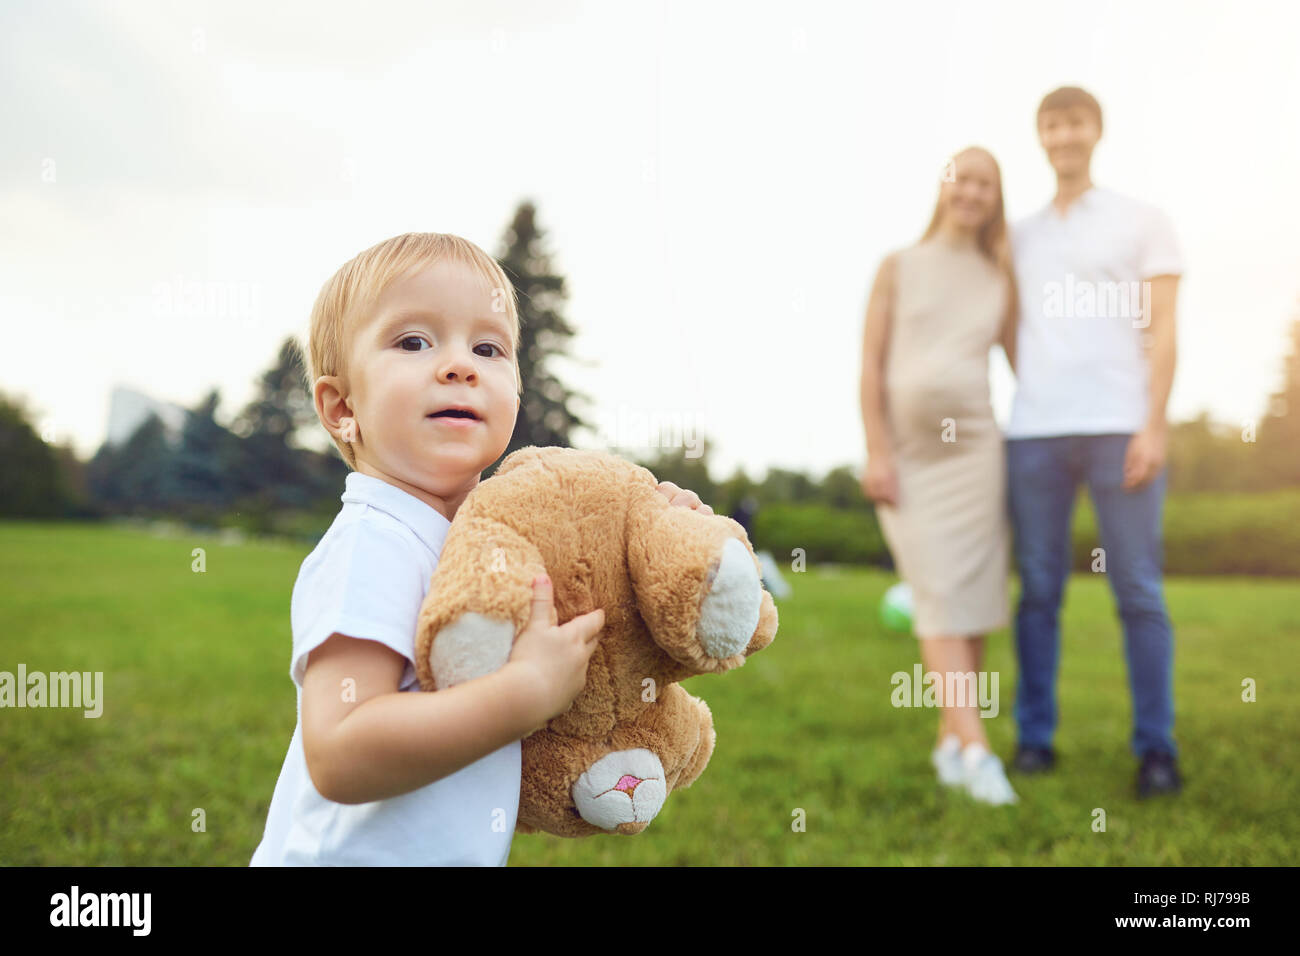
<point x="128" y="410"/>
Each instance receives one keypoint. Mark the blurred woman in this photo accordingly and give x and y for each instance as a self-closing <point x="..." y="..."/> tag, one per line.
<point x="935" y="467"/>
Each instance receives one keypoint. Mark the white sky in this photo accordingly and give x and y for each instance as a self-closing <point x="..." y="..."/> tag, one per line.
<point x="718" y="181"/>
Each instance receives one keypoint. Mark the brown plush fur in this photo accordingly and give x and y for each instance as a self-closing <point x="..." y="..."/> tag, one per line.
<point x="607" y="538"/>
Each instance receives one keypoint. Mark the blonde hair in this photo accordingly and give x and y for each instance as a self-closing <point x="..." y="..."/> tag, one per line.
<point x="992" y="237"/>
<point x="348" y="296"/>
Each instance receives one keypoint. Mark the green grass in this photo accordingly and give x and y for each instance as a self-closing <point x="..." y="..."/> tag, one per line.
<point x="199" y="709"/>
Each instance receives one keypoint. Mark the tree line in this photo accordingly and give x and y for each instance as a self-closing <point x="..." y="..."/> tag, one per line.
<point x="256" y="470"/>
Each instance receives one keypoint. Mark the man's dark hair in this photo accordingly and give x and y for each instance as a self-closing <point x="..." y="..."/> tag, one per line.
<point x="1068" y="97"/>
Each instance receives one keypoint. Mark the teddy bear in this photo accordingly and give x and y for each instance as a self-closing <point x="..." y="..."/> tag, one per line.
<point x="682" y="593"/>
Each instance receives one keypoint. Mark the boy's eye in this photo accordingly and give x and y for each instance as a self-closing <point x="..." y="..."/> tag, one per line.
<point x="415" y="338"/>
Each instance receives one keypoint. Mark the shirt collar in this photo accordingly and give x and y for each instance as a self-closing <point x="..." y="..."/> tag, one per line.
<point x="423" y="519"/>
<point x="1085" y="199"/>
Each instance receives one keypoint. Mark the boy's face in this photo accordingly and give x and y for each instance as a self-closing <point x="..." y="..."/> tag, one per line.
<point x="1068" y="136"/>
<point x="433" y="341"/>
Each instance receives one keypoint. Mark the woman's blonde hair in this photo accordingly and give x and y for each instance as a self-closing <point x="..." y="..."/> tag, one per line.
<point x="349" y="295"/>
<point x="992" y="238"/>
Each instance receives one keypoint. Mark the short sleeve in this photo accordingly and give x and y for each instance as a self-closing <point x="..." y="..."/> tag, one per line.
<point x="365" y="583"/>
<point x="1159" y="252"/>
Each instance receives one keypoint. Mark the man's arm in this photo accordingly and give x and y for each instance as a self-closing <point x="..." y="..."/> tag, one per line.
<point x="366" y="741"/>
<point x="1146" y="451"/>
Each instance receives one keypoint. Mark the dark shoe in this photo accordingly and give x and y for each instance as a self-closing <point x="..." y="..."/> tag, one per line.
<point x="1158" y="774"/>
<point x="1034" y="759"/>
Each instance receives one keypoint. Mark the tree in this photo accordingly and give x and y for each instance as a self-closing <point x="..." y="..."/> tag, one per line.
<point x="32" y="484"/>
<point x="135" y="478"/>
<point x="790" y="487"/>
<point x="74" y="478"/>
<point x="283" y="404"/>
<point x="544" y="414"/>
<point x="1279" y="430"/>
<point x="670" y="464"/>
<point x="842" y="489"/>
<point x="731" y="492"/>
<point x="271" y="473"/>
<point x="205" y="462"/>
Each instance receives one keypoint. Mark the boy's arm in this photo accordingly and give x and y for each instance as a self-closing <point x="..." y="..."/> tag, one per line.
<point x="366" y="741"/>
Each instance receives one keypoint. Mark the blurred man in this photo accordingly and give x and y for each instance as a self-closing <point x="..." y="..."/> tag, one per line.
<point x="1098" y="276"/>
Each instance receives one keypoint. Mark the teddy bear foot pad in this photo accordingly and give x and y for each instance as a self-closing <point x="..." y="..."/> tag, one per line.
<point x="622" y="791"/>
<point x="730" y="610"/>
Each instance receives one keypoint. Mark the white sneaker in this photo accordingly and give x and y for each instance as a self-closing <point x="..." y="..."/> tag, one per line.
<point x="984" y="778"/>
<point x="947" y="761"/>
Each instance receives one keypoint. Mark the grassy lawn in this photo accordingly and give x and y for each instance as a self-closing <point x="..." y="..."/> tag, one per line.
<point x="198" y="711"/>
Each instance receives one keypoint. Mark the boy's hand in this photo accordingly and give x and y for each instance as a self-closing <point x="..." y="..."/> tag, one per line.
<point x="555" y="658"/>
<point x="681" y="498"/>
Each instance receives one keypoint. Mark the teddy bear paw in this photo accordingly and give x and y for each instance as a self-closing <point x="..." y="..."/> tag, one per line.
<point x="470" y="646"/>
<point x="729" y="613"/>
<point x="621" y="791"/>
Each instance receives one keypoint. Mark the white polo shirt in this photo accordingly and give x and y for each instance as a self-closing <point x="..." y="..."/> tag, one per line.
<point x="1080" y="368"/>
<point x="367" y="578"/>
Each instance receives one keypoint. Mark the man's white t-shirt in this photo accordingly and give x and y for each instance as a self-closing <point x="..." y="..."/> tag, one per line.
<point x="367" y="579"/>
<point x="1080" y="368"/>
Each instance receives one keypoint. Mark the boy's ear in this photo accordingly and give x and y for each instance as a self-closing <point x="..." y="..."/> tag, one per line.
<point x="331" y="406"/>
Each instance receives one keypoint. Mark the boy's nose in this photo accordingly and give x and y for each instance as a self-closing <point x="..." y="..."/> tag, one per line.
<point x="457" y="368"/>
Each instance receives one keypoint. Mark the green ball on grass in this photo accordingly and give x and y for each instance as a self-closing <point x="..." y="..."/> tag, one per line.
<point x="896" y="608"/>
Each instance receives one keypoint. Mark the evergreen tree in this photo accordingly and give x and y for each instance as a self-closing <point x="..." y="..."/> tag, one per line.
<point x="270" y="469"/>
<point x="136" y="477"/>
<point x="283" y="403"/>
<point x="544" y="415"/>
<point x="204" y="463"/>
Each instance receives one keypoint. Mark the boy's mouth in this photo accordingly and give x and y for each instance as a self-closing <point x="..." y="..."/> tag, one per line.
<point x="457" y="417"/>
<point x="456" y="411"/>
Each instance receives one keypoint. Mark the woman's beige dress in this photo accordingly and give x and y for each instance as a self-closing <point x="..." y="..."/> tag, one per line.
<point x="949" y="534"/>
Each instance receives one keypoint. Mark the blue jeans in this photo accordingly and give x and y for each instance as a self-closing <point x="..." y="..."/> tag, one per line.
<point x="1043" y="475"/>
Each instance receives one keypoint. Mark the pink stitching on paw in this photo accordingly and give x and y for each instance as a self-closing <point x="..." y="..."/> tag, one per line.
<point x="627" y="783"/>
